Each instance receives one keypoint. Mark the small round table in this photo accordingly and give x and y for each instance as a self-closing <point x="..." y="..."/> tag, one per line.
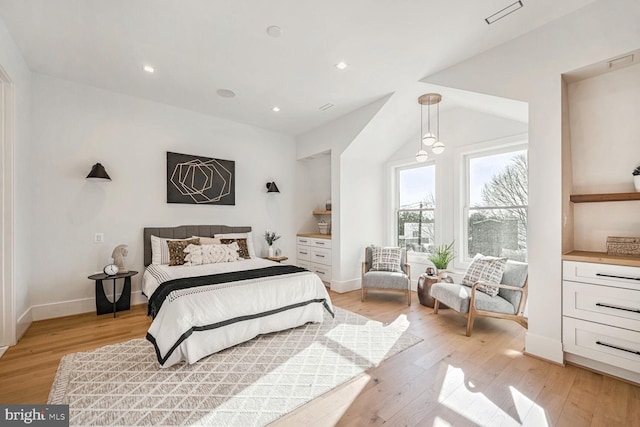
<point x="103" y="305"/>
<point x="424" y="290"/>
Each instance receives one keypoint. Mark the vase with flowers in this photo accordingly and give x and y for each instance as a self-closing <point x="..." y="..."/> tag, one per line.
<point x="636" y="177"/>
<point x="270" y="237"/>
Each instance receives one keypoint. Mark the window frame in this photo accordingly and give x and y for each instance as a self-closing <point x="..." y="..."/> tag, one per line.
<point x="463" y="156"/>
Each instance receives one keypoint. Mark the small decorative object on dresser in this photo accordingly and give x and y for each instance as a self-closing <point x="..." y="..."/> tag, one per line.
<point x="119" y="254"/>
<point x="636" y="178"/>
<point x="327" y="205"/>
<point x="323" y="227"/>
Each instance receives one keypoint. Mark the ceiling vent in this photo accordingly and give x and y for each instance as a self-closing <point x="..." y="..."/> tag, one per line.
<point x="620" y="62"/>
<point x="326" y="106"/>
<point x="504" y="12"/>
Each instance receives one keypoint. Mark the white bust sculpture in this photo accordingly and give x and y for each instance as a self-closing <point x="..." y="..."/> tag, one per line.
<point x="120" y="252"/>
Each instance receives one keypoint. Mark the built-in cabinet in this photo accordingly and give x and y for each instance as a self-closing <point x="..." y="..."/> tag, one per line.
<point x="313" y="252"/>
<point x="601" y="314"/>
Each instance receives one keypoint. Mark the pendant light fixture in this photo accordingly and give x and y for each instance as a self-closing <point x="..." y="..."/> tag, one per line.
<point x="421" y="155"/>
<point x="438" y="146"/>
<point x="431" y="139"/>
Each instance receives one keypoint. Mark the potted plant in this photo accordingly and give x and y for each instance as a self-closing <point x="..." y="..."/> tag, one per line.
<point x="442" y="256"/>
<point x="270" y="237"/>
<point x="636" y="177"/>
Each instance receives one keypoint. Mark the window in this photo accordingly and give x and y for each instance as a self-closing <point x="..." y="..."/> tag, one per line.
<point x="416" y="205"/>
<point x="495" y="217"/>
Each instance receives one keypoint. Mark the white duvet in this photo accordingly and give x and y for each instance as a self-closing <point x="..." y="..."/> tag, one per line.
<point x="195" y="322"/>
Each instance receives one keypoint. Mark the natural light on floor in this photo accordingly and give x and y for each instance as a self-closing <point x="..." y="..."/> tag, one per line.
<point x="464" y="398"/>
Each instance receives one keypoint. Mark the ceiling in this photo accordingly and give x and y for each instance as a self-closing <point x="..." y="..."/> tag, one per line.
<point x="200" y="46"/>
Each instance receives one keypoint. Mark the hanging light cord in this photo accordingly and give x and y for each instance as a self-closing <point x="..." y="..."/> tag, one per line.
<point x="438" y="121"/>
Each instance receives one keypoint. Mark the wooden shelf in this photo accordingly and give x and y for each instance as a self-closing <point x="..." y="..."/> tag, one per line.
<point x="606" y="197"/>
<point x="319" y="212"/>
<point x="601" y="258"/>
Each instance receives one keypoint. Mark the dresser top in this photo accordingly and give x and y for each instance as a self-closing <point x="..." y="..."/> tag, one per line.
<point x="601" y="258"/>
<point x="315" y="235"/>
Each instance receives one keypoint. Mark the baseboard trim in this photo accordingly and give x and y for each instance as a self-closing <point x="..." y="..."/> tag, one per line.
<point x="603" y="368"/>
<point x="544" y="348"/>
<point x="347" y="286"/>
<point x="78" y="306"/>
<point x="2" y="350"/>
<point x="23" y="323"/>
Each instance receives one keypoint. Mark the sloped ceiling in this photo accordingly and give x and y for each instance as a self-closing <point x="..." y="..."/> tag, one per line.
<point x="200" y="46"/>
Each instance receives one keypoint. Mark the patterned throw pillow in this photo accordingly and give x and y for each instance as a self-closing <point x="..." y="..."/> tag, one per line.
<point x="211" y="254"/>
<point x="485" y="269"/>
<point x="243" y="250"/>
<point x="176" y="250"/>
<point x="386" y="259"/>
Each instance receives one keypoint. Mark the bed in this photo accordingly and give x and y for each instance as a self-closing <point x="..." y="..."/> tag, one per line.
<point x="198" y="310"/>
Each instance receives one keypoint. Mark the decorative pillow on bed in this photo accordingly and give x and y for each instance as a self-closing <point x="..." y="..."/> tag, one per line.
<point x="485" y="269"/>
<point x="248" y="236"/>
<point x="160" y="249"/>
<point x="176" y="250"/>
<point x="243" y="250"/>
<point x="210" y="254"/>
<point x="386" y="259"/>
<point x="207" y="240"/>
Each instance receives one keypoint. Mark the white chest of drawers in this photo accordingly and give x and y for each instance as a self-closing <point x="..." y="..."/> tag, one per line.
<point x="601" y="317"/>
<point x="314" y="254"/>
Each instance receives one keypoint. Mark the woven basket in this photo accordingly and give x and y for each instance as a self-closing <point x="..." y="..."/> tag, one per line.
<point x="624" y="246"/>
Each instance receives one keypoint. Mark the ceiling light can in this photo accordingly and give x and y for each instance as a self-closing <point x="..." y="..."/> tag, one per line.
<point x="226" y="93"/>
<point x="274" y="31"/>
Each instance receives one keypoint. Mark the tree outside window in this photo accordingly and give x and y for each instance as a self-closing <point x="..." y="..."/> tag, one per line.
<point x="498" y="201"/>
<point x="416" y="211"/>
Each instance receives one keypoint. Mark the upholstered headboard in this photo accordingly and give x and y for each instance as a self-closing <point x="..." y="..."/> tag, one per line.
<point x="184" y="231"/>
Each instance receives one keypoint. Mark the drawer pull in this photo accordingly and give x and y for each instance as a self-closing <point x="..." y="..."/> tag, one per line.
<point x="319" y="243"/>
<point x="633" y="310"/>
<point x="320" y="272"/>
<point x="617" y="277"/>
<point x="320" y="256"/>
<point x="618" y="348"/>
<point x="303" y="253"/>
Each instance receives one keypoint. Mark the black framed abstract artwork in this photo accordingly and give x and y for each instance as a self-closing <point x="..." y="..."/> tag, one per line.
<point x="200" y="180"/>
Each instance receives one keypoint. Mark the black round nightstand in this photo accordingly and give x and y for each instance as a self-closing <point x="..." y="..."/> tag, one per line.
<point x="103" y="305"/>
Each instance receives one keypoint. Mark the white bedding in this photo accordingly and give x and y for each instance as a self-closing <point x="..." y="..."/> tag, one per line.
<point x="206" y="319"/>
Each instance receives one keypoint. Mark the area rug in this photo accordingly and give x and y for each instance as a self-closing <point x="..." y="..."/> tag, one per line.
<point x="251" y="384"/>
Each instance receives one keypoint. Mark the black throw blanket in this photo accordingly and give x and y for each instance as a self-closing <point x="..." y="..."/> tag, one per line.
<point x="160" y="294"/>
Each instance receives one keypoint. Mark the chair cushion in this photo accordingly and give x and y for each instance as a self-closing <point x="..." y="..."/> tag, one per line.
<point x="515" y="274"/>
<point x="486" y="269"/>
<point x="386" y="259"/>
<point x="385" y="279"/>
<point x="458" y="297"/>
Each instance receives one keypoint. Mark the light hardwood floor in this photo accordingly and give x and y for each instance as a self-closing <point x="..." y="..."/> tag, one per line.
<point x="447" y="379"/>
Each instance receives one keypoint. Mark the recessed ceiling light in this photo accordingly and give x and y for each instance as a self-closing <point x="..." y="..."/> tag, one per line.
<point x="274" y="31"/>
<point x="504" y="12"/>
<point x="275" y="108"/>
<point x="341" y="65"/>
<point x="226" y="93"/>
<point x="149" y="69"/>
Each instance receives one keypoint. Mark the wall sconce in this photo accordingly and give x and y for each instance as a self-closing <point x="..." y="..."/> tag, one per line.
<point x="272" y="187"/>
<point x="98" y="173"/>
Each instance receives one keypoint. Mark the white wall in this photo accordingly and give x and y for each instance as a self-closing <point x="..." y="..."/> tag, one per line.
<point x="14" y="65"/>
<point x="529" y="69"/>
<point x="459" y="127"/>
<point x="605" y="147"/>
<point x="75" y="126"/>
